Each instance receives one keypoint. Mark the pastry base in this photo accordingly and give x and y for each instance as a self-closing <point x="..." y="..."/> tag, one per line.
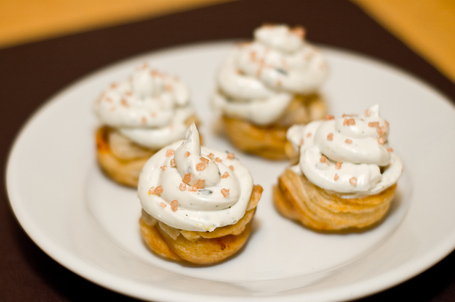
<point x="269" y="141"/>
<point x="123" y="171"/>
<point x="297" y="198"/>
<point x="125" y="168"/>
<point x="201" y="248"/>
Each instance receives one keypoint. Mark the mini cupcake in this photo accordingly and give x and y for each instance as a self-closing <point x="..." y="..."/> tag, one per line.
<point x="140" y="116"/>
<point x="268" y="85"/>
<point x="345" y="176"/>
<point x="198" y="203"/>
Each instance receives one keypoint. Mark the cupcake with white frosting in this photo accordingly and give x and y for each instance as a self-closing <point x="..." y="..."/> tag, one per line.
<point x="345" y="174"/>
<point x="266" y="86"/>
<point x="198" y="203"/>
<point x="139" y="116"/>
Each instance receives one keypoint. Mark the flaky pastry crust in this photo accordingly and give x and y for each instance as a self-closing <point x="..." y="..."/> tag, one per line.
<point x="269" y="141"/>
<point x="297" y="198"/>
<point x="120" y="158"/>
<point x="201" y="248"/>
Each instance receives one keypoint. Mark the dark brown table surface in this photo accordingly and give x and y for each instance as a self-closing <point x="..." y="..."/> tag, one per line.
<point x="31" y="73"/>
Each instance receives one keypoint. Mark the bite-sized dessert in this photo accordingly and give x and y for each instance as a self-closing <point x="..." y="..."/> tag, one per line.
<point x="345" y="176"/>
<point x="268" y="85"/>
<point x="140" y="116"/>
<point x="198" y="203"/>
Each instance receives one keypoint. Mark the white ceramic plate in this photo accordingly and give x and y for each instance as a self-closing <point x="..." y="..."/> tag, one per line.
<point x="90" y="225"/>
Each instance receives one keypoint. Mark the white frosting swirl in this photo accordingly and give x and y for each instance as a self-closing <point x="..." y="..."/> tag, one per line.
<point x="348" y="155"/>
<point x="192" y="188"/>
<point x="150" y="108"/>
<point x="258" y="80"/>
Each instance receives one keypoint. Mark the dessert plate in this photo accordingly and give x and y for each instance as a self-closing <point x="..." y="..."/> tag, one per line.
<point x="90" y="225"/>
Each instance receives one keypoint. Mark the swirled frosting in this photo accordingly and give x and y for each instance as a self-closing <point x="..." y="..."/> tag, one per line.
<point x="192" y="188"/>
<point x="150" y="108"/>
<point x="348" y="155"/>
<point x="258" y="80"/>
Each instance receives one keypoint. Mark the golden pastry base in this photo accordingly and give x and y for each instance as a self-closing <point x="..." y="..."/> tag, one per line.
<point x="269" y="141"/>
<point x="123" y="171"/>
<point x="125" y="163"/>
<point x="201" y="248"/>
<point x="298" y="199"/>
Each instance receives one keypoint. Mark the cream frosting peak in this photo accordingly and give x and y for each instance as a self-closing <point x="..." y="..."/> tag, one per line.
<point x="188" y="159"/>
<point x="348" y="155"/>
<point x="194" y="188"/>
<point x="150" y="107"/>
<point x="264" y="75"/>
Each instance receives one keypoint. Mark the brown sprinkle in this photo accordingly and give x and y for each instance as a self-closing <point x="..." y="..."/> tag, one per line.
<point x="301" y="142"/>
<point x="230" y="155"/>
<point x="170" y="152"/>
<point x="323" y="159"/>
<point x="163" y="168"/>
<point x="330" y="137"/>
<point x="381" y="140"/>
<point x="211" y="155"/>
<point x="218" y="160"/>
<point x="225" y="192"/>
<point x="231" y="167"/>
<point x="158" y="190"/>
<point x="373" y="124"/>
<point x="338" y="165"/>
<point x="204" y="160"/>
<point x="169" y="87"/>
<point x="225" y="175"/>
<point x="144" y="120"/>
<point x="349" y="122"/>
<point x="163" y="205"/>
<point x="367" y="112"/>
<point x="308" y="134"/>
<point x="381" y="130"/>
<point x="329" y="117"/>
<point x="186" y="178"/>
<point x="253" y="56"/>
<point x="200" y="184"/>
<point x="353" y="181"/>
<point x="192" y="188"/>
<point x="182" y="187"/>
<point x="125" y="103"/>
<point x="174" y="205"/>
<point x="348" y="141"/>
<point x="336" y="177"/>
<point x="389" y="149"/>
<point x="187" y="153"/>
<point x="200" y="167"/>
<point x="299" y="32"/>
<point x="173" y="165"/>
<point x="151" y="190"/>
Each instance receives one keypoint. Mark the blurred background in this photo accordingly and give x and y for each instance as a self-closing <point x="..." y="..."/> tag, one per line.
<point x="426" y="26"/>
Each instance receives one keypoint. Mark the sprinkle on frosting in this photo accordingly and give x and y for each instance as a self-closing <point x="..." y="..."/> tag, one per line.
<point x="357" y="145"/>
<point x="198" y="199"/>
<point x="174" y="205"/>
<point x="259" y="79"/>
<point x="150" y="108"/>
